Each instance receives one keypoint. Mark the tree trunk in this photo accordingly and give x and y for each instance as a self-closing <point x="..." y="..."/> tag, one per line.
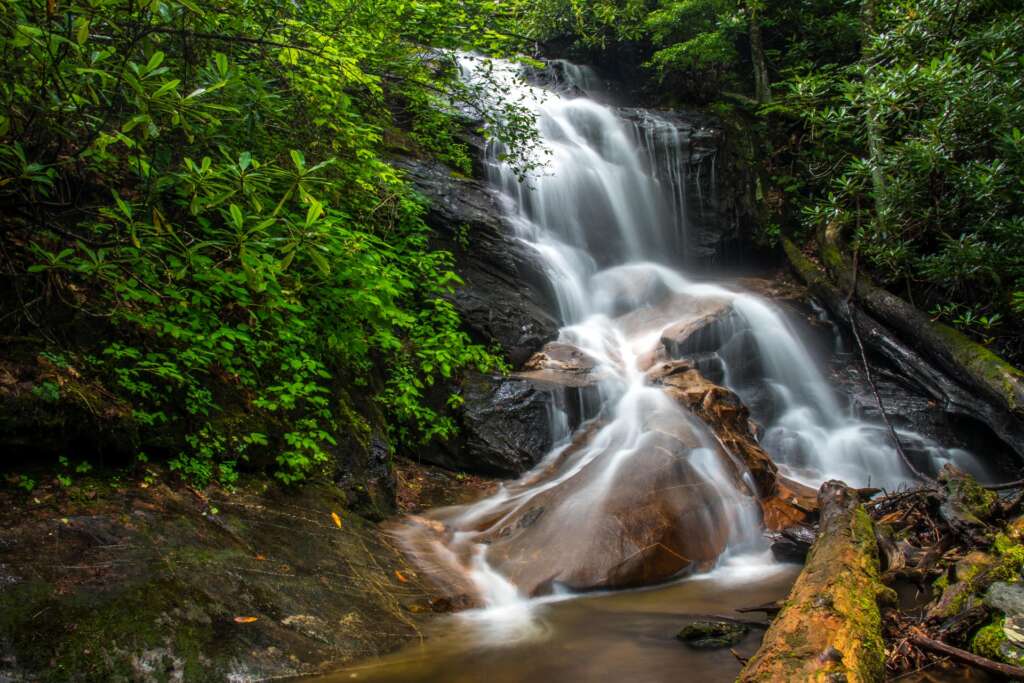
<point x="970" y="363"/>
<point x="762" y="88"/>
<point x="869" y="17"/>
<point x="830" y="627"/>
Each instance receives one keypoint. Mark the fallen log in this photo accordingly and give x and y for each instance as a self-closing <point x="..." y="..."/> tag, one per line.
<point x="946" y="387"/>
<point x="974" y="365"/>
<point x="923" y="641"/>
<point x="830" y="626"/>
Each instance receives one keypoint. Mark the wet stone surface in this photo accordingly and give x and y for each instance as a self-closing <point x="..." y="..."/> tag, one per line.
<point x="710" y="635"/>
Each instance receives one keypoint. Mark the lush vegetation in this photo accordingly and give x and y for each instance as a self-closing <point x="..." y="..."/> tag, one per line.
<point x="199" y="218"/>
<point x="897" y="121"/>
<point x="200" y="221"/>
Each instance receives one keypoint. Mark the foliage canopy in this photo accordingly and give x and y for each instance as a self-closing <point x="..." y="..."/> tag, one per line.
<point x="202" y="190"/>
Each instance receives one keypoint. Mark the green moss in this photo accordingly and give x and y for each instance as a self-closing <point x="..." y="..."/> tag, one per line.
<point x="987" y="641"/>
<point x="991" y="641"/>
<point x="997" y="374"/>
<point x="88" y="638"/>
<point x="1011" y="559"/>
<point x="971" y="496"/>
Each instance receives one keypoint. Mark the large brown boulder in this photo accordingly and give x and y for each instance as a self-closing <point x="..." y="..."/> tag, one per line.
<point x="626" y="504"/>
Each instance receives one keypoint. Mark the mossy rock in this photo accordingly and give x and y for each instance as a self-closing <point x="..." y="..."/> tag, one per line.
<point x="970" y="499"/>
<point x="991" y="641"/>
<point x="956" y="594"/>
<point x="158" y="584"/>
<point x="710" y="635"/>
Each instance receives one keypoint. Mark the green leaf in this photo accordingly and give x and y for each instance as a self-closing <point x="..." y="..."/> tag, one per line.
<point x="221" y="61"/>
<point x="314" y="212"/>
<point x="81" y="27"/>
<point x="156" y="60"/>
<point x="166" y="87"/>
<point x="320" y="261"/>
<point x="236" y="216"/>
<point x="125" y="208"/>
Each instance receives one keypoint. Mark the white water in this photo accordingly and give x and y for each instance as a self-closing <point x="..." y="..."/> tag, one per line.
<point x="606" y="217"/>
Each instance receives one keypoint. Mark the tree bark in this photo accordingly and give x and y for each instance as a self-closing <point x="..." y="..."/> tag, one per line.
<point x="868" y="20"/>
<point x="921" y="640"/>
<point x="762" y="87"/>
<point x="929" y="376"/>
<point x="830" y="627"/>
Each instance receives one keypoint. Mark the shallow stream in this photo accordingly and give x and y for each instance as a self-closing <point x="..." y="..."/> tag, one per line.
<point x="615" y="636"/>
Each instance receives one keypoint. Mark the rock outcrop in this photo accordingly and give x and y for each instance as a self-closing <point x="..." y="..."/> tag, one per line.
<point x="505" y="427"/>
<point x="606" y="526"/>
<point x="505" y="299"/>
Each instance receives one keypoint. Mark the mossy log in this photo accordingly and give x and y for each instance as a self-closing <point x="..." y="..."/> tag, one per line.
<point x="970" y="363"/>
<point x="830" y="627"/>
<point x="929" y="376"/>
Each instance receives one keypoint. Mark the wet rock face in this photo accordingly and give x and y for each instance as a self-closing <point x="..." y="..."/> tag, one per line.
<point x="610" y="512"/>
<point x="562" y="365"/>
<point x="504" y="428"/>
<point x="505" y="298"/>
<point x="723" y="412"/>
<point x="506" y="424"/>
<point x="717" y="189"/>
<point x="645" y="521"/>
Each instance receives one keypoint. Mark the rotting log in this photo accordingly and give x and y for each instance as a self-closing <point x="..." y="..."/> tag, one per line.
<point x="929" y="376"/>
<point x="974" y="365"/>
<point x="830" y="627"/>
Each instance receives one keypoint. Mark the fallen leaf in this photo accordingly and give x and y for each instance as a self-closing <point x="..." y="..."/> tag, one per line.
<point x="337" y="519"/>
<point x="401" y="578"/>
<point x="245" y="620"/>
<point x="260" y="558"/>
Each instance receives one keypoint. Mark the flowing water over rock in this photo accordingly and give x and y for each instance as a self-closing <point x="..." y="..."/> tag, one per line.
<point x="649" y="485"/>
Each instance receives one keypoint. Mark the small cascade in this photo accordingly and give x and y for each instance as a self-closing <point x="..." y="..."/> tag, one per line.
<point x="643" y="490"/>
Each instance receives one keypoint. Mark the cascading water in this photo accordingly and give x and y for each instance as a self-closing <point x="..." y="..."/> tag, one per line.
<point x="642" y="490"/>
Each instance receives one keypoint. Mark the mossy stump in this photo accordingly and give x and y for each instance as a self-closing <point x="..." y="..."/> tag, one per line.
<point x="830" y="626"/>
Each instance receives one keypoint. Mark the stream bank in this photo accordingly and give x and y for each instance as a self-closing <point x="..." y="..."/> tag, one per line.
<point x="125" y="579"/>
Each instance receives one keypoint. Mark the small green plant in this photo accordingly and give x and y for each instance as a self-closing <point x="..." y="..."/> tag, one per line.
<point x="47" y="390"/>
<point x="26" y="483"/>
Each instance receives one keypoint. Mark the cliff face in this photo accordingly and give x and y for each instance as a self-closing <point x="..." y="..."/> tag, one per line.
<point x="504" y="300"/>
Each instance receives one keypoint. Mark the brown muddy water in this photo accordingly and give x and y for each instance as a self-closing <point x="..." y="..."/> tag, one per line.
<point x="625" y="636"/>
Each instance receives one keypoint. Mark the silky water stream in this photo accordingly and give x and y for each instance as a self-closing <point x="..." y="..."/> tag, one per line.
<point x="641" y="492"/>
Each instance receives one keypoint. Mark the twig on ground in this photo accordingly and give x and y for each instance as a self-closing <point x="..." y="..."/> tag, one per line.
<point x="921" y="640"/>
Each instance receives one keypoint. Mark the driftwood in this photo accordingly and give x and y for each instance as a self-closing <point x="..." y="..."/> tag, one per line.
<point x="921" y="640"/>
<point x="954" y="393"/>
<point x="830" y="626"/>
<point x="958" y="628"/>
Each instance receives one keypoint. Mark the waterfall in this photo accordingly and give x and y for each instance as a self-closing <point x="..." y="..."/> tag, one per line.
<point x="607" y="217"/>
